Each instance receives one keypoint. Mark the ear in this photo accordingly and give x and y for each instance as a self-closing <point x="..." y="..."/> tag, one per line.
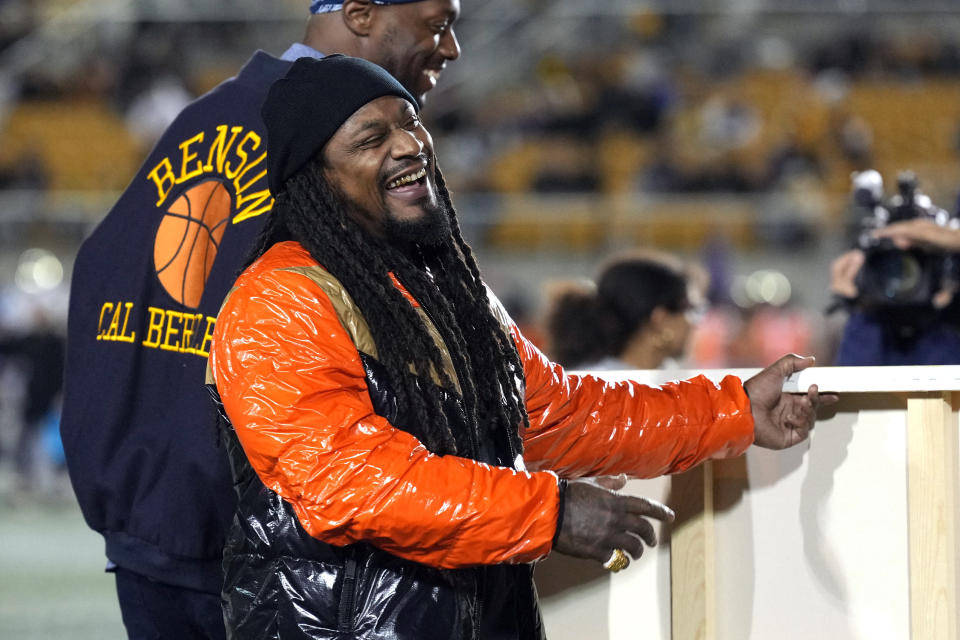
<point x="358" y="16"/>
<point x="658" y="318"/>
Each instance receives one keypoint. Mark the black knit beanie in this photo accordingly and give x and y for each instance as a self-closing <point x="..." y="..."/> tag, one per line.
<point x="306" y="107"/>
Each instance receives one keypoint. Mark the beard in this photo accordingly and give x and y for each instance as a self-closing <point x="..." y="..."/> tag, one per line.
<point x="428" y="233"/>
<point x="431" y="231"/>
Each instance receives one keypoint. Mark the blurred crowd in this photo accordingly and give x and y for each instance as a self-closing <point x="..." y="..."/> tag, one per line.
<point x="664" y="105"/>
<point x="665" y="108"/>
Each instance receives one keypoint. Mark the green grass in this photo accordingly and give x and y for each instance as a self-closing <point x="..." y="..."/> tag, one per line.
<point x="52" y="583"/>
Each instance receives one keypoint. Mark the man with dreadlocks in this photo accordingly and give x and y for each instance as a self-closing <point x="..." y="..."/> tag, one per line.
<point x="398" y="447"/>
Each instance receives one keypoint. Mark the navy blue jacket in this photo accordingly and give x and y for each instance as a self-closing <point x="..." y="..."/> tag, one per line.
<point x="878" y="338"/>
<point x="138" y="426"/>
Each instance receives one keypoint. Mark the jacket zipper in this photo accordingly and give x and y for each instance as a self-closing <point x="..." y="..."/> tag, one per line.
<point x="475" y="621"/>
<point x="348" y="594"/>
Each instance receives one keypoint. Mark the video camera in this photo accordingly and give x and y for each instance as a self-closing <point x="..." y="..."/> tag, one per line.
<point x="892" y="277"/>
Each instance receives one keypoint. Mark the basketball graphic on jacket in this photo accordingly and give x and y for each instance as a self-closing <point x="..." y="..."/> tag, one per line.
<point x="188" y="238"/>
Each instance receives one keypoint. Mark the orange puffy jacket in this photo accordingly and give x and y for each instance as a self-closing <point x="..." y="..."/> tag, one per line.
<point x="286" y="364"/>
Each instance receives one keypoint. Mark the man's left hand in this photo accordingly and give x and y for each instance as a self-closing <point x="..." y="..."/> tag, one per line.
<point x="781" y="419"/>
<point x="920" y="232"/>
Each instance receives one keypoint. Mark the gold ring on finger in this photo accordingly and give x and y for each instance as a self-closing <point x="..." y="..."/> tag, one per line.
<point x="618" y="560"/>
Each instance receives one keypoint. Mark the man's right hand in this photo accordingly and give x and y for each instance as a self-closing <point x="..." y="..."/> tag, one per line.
<point x="596" y="521"/>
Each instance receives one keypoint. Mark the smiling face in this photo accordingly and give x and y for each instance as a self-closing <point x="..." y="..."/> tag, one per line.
<point x="381" y="161"/>
<point x="415" y="42"/>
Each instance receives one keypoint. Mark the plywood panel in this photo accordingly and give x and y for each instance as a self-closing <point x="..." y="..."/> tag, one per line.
<point x="932" y="473"/>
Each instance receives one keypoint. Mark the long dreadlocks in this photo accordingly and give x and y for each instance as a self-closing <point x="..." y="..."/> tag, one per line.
<point x="446" y="281"/>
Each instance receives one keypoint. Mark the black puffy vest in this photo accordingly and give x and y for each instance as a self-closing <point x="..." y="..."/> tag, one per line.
<point x="280" y="582"/>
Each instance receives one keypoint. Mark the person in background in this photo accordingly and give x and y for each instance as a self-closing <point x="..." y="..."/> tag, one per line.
<point x="879" y="337"/>
<point x="137" y="427"/>
<point x="39" y="352"/>
<point x="638" y="315"/>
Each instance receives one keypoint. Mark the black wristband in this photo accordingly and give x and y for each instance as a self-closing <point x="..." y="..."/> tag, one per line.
<point x="562" y="489"/>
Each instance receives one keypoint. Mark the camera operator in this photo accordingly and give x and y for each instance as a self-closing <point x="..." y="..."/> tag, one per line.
<point x="900" y="283"/>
